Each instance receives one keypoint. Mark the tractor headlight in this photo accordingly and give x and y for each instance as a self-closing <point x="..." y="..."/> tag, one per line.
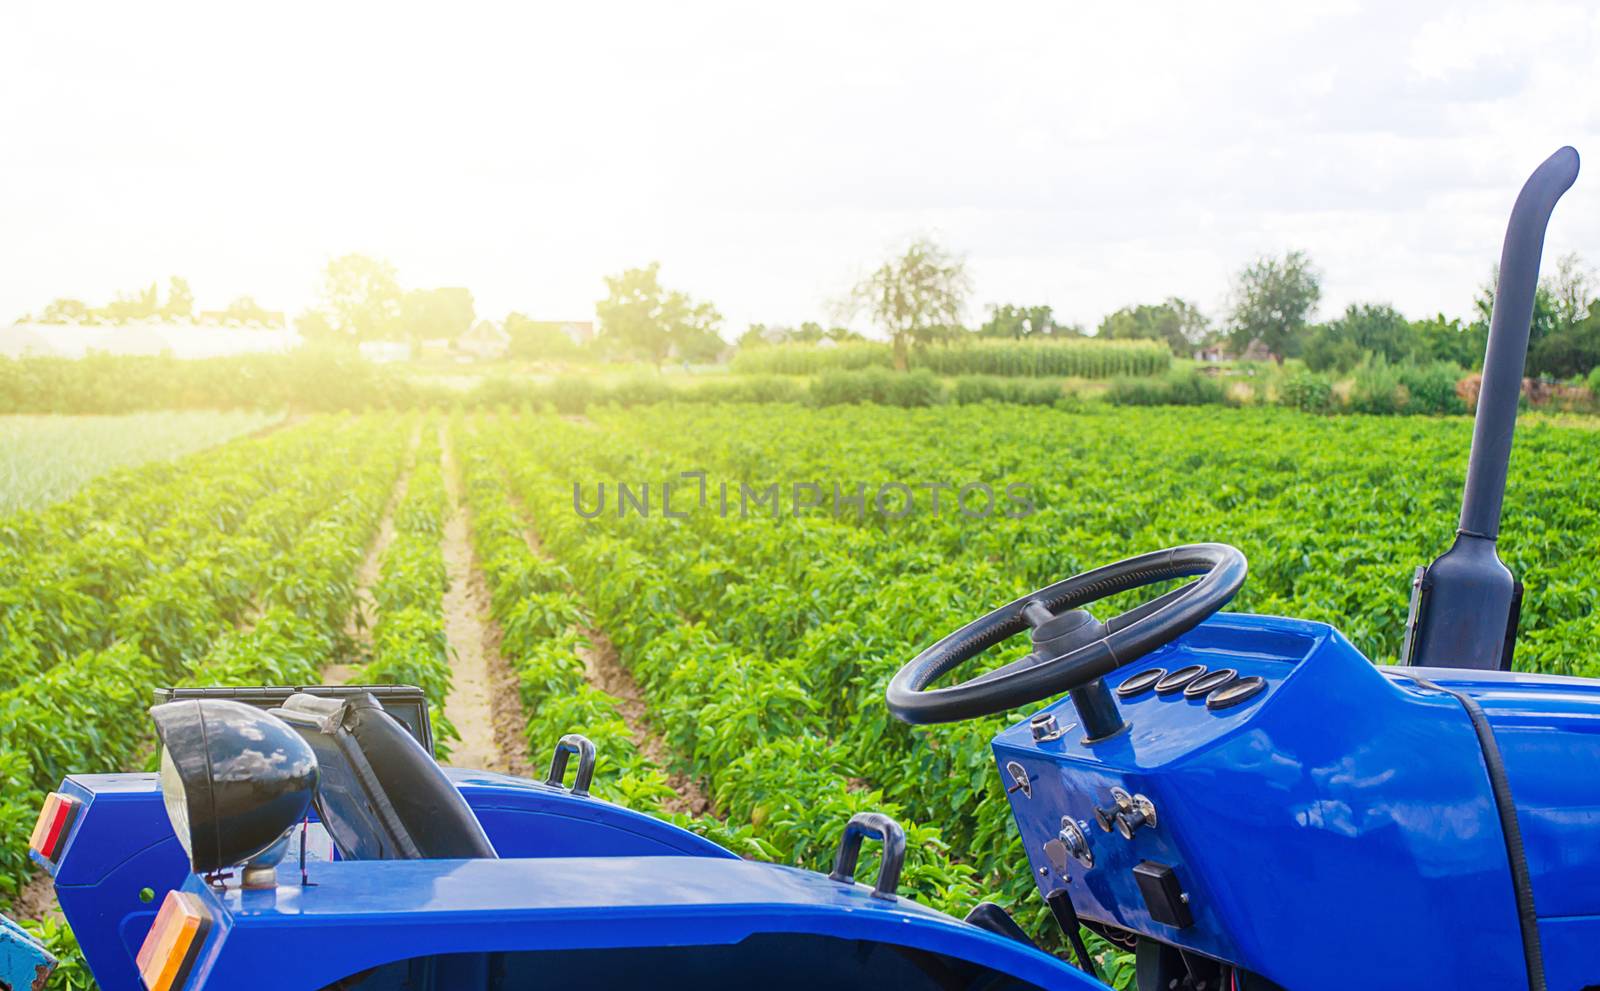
<point x="175" y="799"/>
<point x="235" y="780"/>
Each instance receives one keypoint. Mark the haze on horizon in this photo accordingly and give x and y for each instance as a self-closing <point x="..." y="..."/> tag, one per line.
<point x="1088" y="159"/>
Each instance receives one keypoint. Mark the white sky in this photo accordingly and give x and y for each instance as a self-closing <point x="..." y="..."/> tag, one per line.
<point x="768" y="154"/>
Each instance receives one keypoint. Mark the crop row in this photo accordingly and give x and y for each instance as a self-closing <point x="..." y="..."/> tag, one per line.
<point x="830" y="604"/>
<point x="46" y="458"/>
<point x="263" y="599"/>
<point x="71" y="573"/>
<point x="743" y="724"/>
<point x="409" y="645"/>
<point x="541" y="619"/>
<point x="1332" y="525"/>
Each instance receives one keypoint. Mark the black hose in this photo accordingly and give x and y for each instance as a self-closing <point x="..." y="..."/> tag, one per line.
<point x="1506" y="807"/>
<point x="1060" y="902"/>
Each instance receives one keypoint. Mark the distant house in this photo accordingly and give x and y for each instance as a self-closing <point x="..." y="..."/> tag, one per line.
<point x="385" y="352"/>
<point x="579" y="333"/>
<point x="1257" y="351"/>
<point x="254" y="319"/>
<point x="485" y="341"/>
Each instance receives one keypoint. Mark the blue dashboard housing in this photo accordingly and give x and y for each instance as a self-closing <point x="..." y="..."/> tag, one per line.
<point x="1338" y="829"/>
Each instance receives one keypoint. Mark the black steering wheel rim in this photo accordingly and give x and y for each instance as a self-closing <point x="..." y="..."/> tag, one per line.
<point x="1221" y="569"/>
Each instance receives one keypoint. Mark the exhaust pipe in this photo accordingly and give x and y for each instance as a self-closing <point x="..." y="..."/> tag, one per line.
<point x="1464" y="606"/>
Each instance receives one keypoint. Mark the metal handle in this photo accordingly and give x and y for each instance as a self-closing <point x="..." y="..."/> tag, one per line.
<point x="881" y="827"/>
<point x="573" y="743"/>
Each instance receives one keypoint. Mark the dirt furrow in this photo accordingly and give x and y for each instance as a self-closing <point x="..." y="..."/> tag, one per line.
<point x="605" y="671"/>
<point x="36" y="900"/>
<point x="484" y="704"/>
<point x="365" y="614"/>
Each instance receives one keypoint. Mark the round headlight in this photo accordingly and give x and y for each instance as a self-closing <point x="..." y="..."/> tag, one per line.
<point x="172" y="795"/>
<point x="234" y="779"/>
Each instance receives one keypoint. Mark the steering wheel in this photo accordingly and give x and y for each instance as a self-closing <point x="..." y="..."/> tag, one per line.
<point x="1071" y="649"/>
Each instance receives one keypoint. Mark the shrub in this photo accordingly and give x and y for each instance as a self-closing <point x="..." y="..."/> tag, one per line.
<point x="1308" y="391"/>
<point x="747" y="389"/>
<point x="1594" y="382"/>
<point x="571" y="395"/>
<point x="876" y="385"/>
<point x="640" y="391"/>
<point x="1178" y="388"/>
<point x="1377" y="387"/>
<point x="916" y="388"/>
<point x="1431" y="388"/>
<point x="971" y="389"/>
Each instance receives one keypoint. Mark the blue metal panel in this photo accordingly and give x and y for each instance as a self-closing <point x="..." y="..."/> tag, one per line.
<point x="1334" y="799"/>
<point x="1548" y="729"/>
<point x="121" y="843"/>
<point x="1571" y="960"/>
<point x="529" y="819"/>
<point x="366" y="914"/>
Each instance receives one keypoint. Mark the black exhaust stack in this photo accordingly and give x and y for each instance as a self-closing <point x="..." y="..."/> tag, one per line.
<point x="1464" y="607"/>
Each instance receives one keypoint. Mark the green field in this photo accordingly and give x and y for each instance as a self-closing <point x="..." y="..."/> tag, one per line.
<point x="45" y="458"/>
<point x="759" y="638"/>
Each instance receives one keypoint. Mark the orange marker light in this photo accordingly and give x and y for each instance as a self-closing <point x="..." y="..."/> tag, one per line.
<point x="55" y="821"/>
<point x="173" y="942"/>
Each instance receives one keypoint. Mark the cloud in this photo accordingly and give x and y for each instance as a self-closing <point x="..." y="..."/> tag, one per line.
<point x="1083" y="157"/>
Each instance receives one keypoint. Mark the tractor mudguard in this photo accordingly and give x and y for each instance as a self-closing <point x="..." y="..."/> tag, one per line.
<point x="121" y="850"/>
<point x="595" y="922"/>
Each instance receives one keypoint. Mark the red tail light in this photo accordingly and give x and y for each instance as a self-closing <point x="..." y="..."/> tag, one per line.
<point x="55" y="821"/>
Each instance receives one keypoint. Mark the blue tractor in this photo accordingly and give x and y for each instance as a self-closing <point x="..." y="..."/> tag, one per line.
<point x="1245" y="802"/>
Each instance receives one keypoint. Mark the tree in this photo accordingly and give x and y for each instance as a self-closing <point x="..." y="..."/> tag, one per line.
<point x="916" y="297"/>
<point x="1569" y="351"/>
<point x="246" y="310"/>
<point x="1571" y="288"/>
<point x="1273" y="298"/>
<point x="760" y="335"/>
<point x="361" y="296"/>
<point x="180" y="300"/>
<point x="314" y="326"/>
<point x="1176" y="322"/>
<point x="1543" y="322"/>
<point x="639" y="316"/>
<point x="436" y="313"/>
<point x="1365" y="328"/>
<point x="534" y="340"/>
<point x="1017" y="322"/>
<point x="140" y="304"/>
<point x="1442" y="339"/>
<point x="64" y="311"/>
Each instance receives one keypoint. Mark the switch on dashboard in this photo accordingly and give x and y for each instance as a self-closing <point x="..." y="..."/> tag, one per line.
<point x="1163" y="895"/>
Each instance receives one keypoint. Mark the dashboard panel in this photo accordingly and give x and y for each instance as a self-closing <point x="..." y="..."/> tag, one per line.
<point x="1270" y="832"/>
